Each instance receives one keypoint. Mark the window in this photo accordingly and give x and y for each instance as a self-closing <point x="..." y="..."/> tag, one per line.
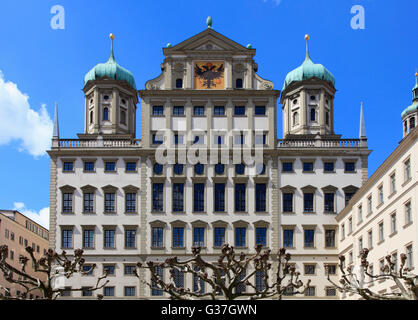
<point x="393" y="222"/>
<point x="329" y="166"/>
<point x="238" y="83"/>
<point x="381" y="235"/>
<point x="178" y="168"/>
<point x="327" y="118"/>
<point x="12" y="255"/>
<point x="178" y="139"/>
<point x="219" y="111"/>
<point x="109" y="238"/>
<point x="91" y="117"/>
<point x="198" y="168"/>
<point x="332" y="269"/>
<point x="178" y="189"/>
<point x="157" y="197"/>
<point x="330" y="238"/>
<point x="240" y="190"/>
<point x="179" y="83"/>
<point x="130" y="166"/>
<point x="350" y="225"/>
<point x="106" y="114"/>
<point x="329" y="202"/>
<point x="261" y="236"/>
<point x="288" y="238"/>
<point x="128" y="269"/>
<point x="199" y="197"/>
<point x="12" y="236"/>
<point x="239" y="110"/>
<point x="287" y="166"/>
<point x="360" y="244"/>
<point x="88" y="238"/>
<point x="219" y="197"/>
<point x="260" y="197"/>
<point x="110" y="166"/>
<point x="219" y="235"/>
<point x="408" y="213"/>
<point x="199" y="236"/>
<point x="409" y="257"/>
<point x="199" y="139"/>
<point x="67" y="205"/>
<point x="310" y="292"/>
<point x="219" y="168"/>
<point x="260" y="280"/>
<point x="155" y="291"/>
<point x="260" y="139"/>
<point x="198" y="283"/>
<point x="158" y="168"/>
<point x="370" y="236"/>
<point x="178" y="237"/>
<point x="66" y="292"/>
<point x="369" y="205"/>
<point x="380" y="192"/>
<point x="123" y="117"/>
<point x="109" y="291"/>
<point x="178" y="111"/>
<point x="178" y="278"/>
<point x="360" y="214"/>
<point x="129" y="291"/>
<point x="309" y="268"/>
<point x="349" y="166"/>
<point x="309" y="237"/>
<point x="88" y="270"/>
<point x="157" y="237"/>
<point x="88" y="166"/>
<point x="240" y="233"/>
<point x="308" y="202"/>
<point x="157" y="139"/>
<point x="295" y="118"/>
<point x="260" y="110"/>
<point x="313" y="113"/>
<point x="287" y="202"/>
<point x="6" y="234"/>
<point x="331" y="292"/>
<point x="110" y="268"/>
<point x="109" y="202"/>
<point x="395" y="261"/>
<point x="66" y="239"/>
<point x="407" y="169"/>
<point x="130" y="238"/>
<point x="239" y="168"/>
<point x="130" y="202"/>
<point x="239" y="139"/>
<point x="241" y="287"/>
<point x="86" y="292"/>
<point x="68" y="166"/>
<point x="308" y="167"/>
<point x="348" y="196"/>
<point x="199" y="111"/>
<point x="392" y="183"/>
<point x="157" y="110"/>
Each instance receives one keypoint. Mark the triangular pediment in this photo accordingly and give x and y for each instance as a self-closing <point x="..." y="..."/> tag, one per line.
<point x="208" y="40"/>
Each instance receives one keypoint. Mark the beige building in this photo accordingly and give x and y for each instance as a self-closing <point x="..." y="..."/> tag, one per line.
<point x="18" y="232"/>
<point x="382" y="216"/>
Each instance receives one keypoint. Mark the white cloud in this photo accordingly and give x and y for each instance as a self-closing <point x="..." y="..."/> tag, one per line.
<point x="276" y="2"/>
<point x="41" y="217"/>
<point x="18" y="121"/>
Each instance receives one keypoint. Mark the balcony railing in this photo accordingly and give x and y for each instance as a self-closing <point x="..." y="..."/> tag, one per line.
<point x="99" y="143"/>
<point x="318" y="143"/>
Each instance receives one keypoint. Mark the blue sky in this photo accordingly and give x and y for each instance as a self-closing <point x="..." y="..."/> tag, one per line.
<point x="375" y="65"/>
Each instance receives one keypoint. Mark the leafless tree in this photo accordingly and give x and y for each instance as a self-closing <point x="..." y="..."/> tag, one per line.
<point x="353" y="279"/>
<point x="227" y="278"/>
<point x="49" y="265"/>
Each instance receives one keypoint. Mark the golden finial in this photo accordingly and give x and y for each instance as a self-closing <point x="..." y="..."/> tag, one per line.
<point x="112" y="36"/>
<point x="306" y="37"/>
<point x="307" y="49"/>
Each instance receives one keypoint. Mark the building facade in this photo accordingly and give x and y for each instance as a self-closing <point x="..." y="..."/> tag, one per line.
<point x="382" y="214"/>
<point x="18" y="232"/>
<point x="208" y="169"/>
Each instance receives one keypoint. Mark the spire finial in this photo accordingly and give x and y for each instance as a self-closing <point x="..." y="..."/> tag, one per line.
<point x="307" y="47"/>
<point x="56" y="130"/>
<point x="111" y="36"/>
<point x="209" y="22"/>
<point x="362" y="132"/>
<point x="416" y="76"/>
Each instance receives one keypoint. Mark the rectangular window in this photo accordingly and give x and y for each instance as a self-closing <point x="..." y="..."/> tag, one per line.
<point x="309" y="268"/>
<point x="219" y="235"/>
<point x="130" y="202"/>
<point x="381" y="235"/>
<point x="350" y="225"/>
<point x="86" y="292"/>
<point x="178" y="237"/>
<point x="308" y="167"/>
<point x="129" y="291"/>
<point x="199" y="236"/>
<point x="348" y="196"/>
<point x="88" y="202"/>
<point x="260" y="110"/>
<point x="178" y="278"/>
<point x="350" y="166"/>
<point x="287" y="166"/>
<point x="308" y="202"/>
<point x="157" y="197"/>
<point x="360" y="214"/>
<point x="395" y="261"/>
<point x="260" y="197"/>
<point x="130" y="238"/>
<point x="288" y="238"/>
<point x="310" y="292"/>
<point x="239" y="111"/>
<point x="110" y="268"/>
<point x="130" y="166"/>
<point x="393" y="222"/>
<point x="109" y="238"/>
<point x="260" y="283"/>
<point x="241" y="286"/>
<point x="330" y="238"/>
<point x="128" y="270"/>
<point x="109" y="291"/>
<point x="110" y="166"/>
<point x="331" y="292"/>
<point x="240" y="190"/>
<point x="199" y="111"/>
<point x="178" y="139"/>
<point x="261" y="236"/>
<point x="360" y="244"/>
<point x="157" y="237"/>
<point x="157" y="110"/>
<point x="407" y="169"/>
<point x="329" y="166"/>
<point x="219" y="111"/>
<point x="260" y="139"/>
<point x="88" y="270"/>
<point x="287" y="202"/>
<point x="88" y="238"/>
<point x="309" y="237"/>
<point x="392" y="183"/>
<point x="219" y="197"/>
<point x="370" y="236"/>
<point x="380" y="192"/>
<point x="89" y="166"/>
<point x="332" y="269"/>
<point x="240" y="233"/>
<point x="369" y="205"/>
<point x="157" y="139"/>
<point x="68" y="166"/>
<point x="109" y="202"/>
<point x="199" y="197"/>
<point x="329" y="202"/>
<point x="67" y="239"/>
<point x="239" y="139"/>
<point x="409" y="257"/>
<point x="408" y="216"/>
<point x="155" y="291"/>
<point x="67" y="204"/>
<point x="178" y="189"/>
<point x="178" y="111"/>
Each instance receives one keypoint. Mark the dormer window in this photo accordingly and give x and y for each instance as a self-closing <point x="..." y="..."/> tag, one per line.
<point x="238" y="83"/>
<point x="106" y="114"/>
<point x="179" y="83"/>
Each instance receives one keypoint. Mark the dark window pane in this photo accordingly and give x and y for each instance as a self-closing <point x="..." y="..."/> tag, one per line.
<point x="178" y="189"/>
<point x="329" y="202"/>
<point x="350" y="166"/>
<point x="178" y="168"/>
<point x="199" y="237"/>
<point x="178" y="237"/>
<point x="240" y="196"/>
<point x="219" y="168"/>
<point x="130" y="238"/>
<point x="219" y="197"/>
<point x="238" y="83"/>
<point x="239" y="168"/>
<point x="219" y="236"/>
<point x="329" y="166"/>
<point x="288" y="238"/>
<point x="157" y="237"/>
<point x="199" y="197"/>
<point x="287" y="202"/>
<point x="309" y="237"/>
<point x="199" y="111"/>
<point x="110" y="166"/>
<point x="131" y="166"/>
<point x="308" y="199"/>
<point x="179" y="83"/>
<point x="198" y="168"/>
<point x="130" y="205"/>
<point x="157" y="110"/>
<point x="287" y="166"/>
<point x="260" y="110"/>
<point x="219" y="111"/>
<point x="89" y="166"/>
<point x="261" y="236"/>
<point x="178" y="111"/>
<point x="240" y="234"/>
<point x="308" y="166"/>
<point x="260" y="197"/>
<point x="157" y="197"/>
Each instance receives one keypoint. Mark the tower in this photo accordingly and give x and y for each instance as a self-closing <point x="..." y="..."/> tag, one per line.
<point x="110" y="100"/>
<point x="308" y="100"/>
<point x="410" y="114"/>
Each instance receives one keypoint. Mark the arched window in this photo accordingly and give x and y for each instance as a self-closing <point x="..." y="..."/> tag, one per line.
<point x="295" y="118"/>
<point x="123" y="117"/>
<point x="239" y="168"/>
<point x="158" y="168"/>
<point x="219" y="168"/>
<point x="198" y="168"/>
<point x="178" y="168"/>
<point x="179" y="83"/>
<point x="106" y="114"/>
<point x="411" y="123"/>
<point x="238" y="83"/>
<point x="91" y="117"/>
<point x="313" y="114"/>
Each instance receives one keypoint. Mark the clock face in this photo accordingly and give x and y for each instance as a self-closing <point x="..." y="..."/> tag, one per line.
<point x="209" y="75"/>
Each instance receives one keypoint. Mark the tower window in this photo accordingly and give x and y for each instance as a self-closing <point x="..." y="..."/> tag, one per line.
<point x="327" y="118"/>
<point x="106" y="114"/>
<point x="238" y="83"/>
<point x="179" y="83"/>
<point x="91" y="117"/>
<point x="295" y="101"/>
<point x="313" y="114"/>
<point x="412" y="123"/>
<point x="295" y="118"/>
<point x="313" y="98"/>
<point x="123" y="117"/>
<point x="123" y="101"/>
<point x="106" y="97"/>
<point x="91" y="101"/>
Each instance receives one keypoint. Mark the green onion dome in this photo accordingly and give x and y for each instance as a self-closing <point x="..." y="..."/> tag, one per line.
<point x="414" y="106"/>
